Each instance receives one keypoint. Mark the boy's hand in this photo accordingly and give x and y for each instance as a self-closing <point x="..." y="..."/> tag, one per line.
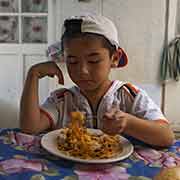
<point x="47" y="69"/>
<point x="115" y="121"/>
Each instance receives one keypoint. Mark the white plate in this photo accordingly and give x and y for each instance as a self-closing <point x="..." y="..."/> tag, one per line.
<point x="48" y="142"/>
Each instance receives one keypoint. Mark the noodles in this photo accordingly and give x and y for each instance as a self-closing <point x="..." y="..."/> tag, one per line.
<point x="78" y="141"/>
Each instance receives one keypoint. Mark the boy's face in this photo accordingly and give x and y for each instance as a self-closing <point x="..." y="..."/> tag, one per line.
<point x="88" y="62"/>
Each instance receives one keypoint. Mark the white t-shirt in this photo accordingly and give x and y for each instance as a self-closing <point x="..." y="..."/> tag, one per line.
<point x="127" y="97"/>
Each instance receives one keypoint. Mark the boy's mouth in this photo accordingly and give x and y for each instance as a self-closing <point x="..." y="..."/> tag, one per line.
<point x="85" y="81"/>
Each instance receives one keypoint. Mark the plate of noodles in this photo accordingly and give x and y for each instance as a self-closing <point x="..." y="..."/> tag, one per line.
<point x="84" y="145"/>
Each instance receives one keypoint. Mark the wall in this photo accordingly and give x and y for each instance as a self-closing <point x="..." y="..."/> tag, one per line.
<point x="10" y="90"/>
<point x="178" y="19"/>
<point x="14" y="64"/>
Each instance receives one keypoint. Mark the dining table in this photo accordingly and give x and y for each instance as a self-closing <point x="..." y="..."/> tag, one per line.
<point x="22" y="157"/>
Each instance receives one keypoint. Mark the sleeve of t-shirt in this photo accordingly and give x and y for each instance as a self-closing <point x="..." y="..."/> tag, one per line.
<point x="49" y="110"/>
<point x="144" y="107"/>
<point x="51" y="106"/>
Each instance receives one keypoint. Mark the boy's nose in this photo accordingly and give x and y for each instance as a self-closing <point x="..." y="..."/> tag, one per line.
<point x="83" y="68"/>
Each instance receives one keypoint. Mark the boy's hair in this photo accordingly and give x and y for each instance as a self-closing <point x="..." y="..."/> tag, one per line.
<point x="105" y="42"/>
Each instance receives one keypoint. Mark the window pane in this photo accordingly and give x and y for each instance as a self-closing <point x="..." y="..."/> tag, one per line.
<point x="34" y="6"/>
<point x="35" y="29"/>
<point x="8" y="29"/>
<point x="8" y="6"/>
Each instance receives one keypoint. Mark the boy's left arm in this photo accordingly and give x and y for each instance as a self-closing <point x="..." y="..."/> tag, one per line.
<point x="146" y="120"/>
<point x="155" y="132"/>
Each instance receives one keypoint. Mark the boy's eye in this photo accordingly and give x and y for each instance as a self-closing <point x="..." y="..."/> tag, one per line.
<point x="94" y="61"/>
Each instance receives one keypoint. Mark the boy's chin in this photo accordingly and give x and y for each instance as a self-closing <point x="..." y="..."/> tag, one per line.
<point x="87" y="88"/>
<point x="86" y="85"/>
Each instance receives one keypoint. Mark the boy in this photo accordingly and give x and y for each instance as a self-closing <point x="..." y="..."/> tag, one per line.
<point x="90" y="48"/>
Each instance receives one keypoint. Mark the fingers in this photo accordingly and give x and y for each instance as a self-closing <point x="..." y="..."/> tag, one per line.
<point x="52" y="69"/>
<point x="110" y="114"/>
<point x="118" y="127"/>
<point x="121" y="126"/>
<point x="114" y="113"/>
<point x="114" y="122"/>
<point x="60" y="77"/>
<point x="59" y="74"/>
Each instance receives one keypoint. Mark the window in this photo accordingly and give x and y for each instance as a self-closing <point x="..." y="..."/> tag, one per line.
<point x="23" y="21"/>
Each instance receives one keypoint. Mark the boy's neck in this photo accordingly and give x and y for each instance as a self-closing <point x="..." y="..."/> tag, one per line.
<point x="95" y="96"/>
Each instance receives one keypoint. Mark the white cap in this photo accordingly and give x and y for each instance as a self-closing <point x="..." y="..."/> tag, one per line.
<point x="96" y="24"/>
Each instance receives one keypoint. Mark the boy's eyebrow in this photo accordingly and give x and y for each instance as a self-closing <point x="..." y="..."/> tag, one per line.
<point x="89" y="55"/>
<point x="93" y="54"/>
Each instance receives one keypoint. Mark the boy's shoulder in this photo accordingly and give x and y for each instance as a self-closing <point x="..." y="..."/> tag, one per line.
<point x="131" y="89"/>
<point x="63" y="91"/>
<point x="126" y="87"/>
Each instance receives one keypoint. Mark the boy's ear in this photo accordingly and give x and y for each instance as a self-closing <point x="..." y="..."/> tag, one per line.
<point x="116" y="57"/>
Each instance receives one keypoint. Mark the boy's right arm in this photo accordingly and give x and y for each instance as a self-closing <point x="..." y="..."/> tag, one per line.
<point x="32" y="120"/>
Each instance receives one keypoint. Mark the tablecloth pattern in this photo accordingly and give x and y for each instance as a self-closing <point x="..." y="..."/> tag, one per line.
<point x="23" y="158"/>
